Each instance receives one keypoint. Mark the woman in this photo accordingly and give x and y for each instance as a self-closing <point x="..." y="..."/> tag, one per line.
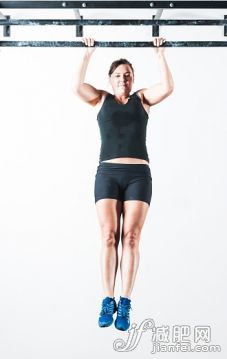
<point x="123" y="182"/>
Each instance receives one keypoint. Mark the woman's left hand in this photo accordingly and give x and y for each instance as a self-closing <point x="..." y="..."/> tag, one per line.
<point x="158" y="41"/>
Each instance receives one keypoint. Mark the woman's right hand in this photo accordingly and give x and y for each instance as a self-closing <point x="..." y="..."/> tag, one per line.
<point x="89" y="43"/>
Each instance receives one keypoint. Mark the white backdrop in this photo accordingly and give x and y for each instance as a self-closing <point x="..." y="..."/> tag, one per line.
<point x="49" y="235"/>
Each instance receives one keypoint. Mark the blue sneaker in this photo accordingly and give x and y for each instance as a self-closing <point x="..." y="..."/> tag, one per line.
<point x="122" y="321"/>
<point x="109" y="307"/>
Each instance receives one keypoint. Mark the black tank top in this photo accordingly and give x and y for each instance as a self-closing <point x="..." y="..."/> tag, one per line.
<point x="122" y="128"/>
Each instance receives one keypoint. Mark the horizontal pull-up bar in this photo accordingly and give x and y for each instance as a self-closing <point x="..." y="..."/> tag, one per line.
<point x="112" y="44"/>
<point x="113" y="4"/>
<point x="163" y="22"/>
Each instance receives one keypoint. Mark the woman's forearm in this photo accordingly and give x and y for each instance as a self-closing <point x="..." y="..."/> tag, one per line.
<point x="80" y="72"/>
<point x="166" y="78"/>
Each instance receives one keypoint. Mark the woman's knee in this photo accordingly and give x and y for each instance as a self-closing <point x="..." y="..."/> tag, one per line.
<point x="131" y="237"/>
<point x="108" y="237"/>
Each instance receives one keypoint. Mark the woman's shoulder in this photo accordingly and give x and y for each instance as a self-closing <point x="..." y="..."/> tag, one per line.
<point x="103" y="96"/>
<point x="140" y="95"/>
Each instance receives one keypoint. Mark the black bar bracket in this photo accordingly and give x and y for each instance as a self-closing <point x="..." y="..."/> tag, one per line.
<point x="6" y="21"/>
<point x="225" y="27"/>
<point x="155" y="28"/>
<point x="6" y="28"/>
<point x="79" y="29"/>
<point x="79" y="26"/>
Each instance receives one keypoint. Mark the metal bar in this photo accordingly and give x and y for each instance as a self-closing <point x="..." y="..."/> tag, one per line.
<point x="112" y="44"/>
<point x="155" y="28"/>
<point x="113" y="4"/>
<point x="108" y="22"/>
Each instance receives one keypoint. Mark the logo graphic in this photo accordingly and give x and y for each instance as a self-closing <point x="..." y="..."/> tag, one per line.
<point x="177" y="338"/>
<point x="134" y="336"/>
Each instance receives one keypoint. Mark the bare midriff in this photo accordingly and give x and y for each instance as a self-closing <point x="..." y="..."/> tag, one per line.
<point x="127" y="160"/>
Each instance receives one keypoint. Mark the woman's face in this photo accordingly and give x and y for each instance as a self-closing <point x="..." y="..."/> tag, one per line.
<point x="122" y="80"/>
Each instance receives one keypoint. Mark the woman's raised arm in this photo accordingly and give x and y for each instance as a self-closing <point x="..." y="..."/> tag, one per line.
<point x="164" y="88"/>
<point x="86" y="92"/>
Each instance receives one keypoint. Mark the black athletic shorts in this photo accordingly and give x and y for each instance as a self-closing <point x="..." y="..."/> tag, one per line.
<point x="123" y="182"/>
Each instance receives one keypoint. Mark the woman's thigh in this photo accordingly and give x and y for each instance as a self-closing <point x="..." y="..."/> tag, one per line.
<point x="109" y="215"/>
<point x="122" y="189"/>
<point x="134" y="215"/>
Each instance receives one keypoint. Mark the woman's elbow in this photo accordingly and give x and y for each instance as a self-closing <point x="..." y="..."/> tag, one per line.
<point x="170" y="89"/>
<point x="75" y="90"/>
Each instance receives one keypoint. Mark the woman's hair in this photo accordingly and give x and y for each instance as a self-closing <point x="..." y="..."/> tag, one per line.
<point x="117" y="63"/>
